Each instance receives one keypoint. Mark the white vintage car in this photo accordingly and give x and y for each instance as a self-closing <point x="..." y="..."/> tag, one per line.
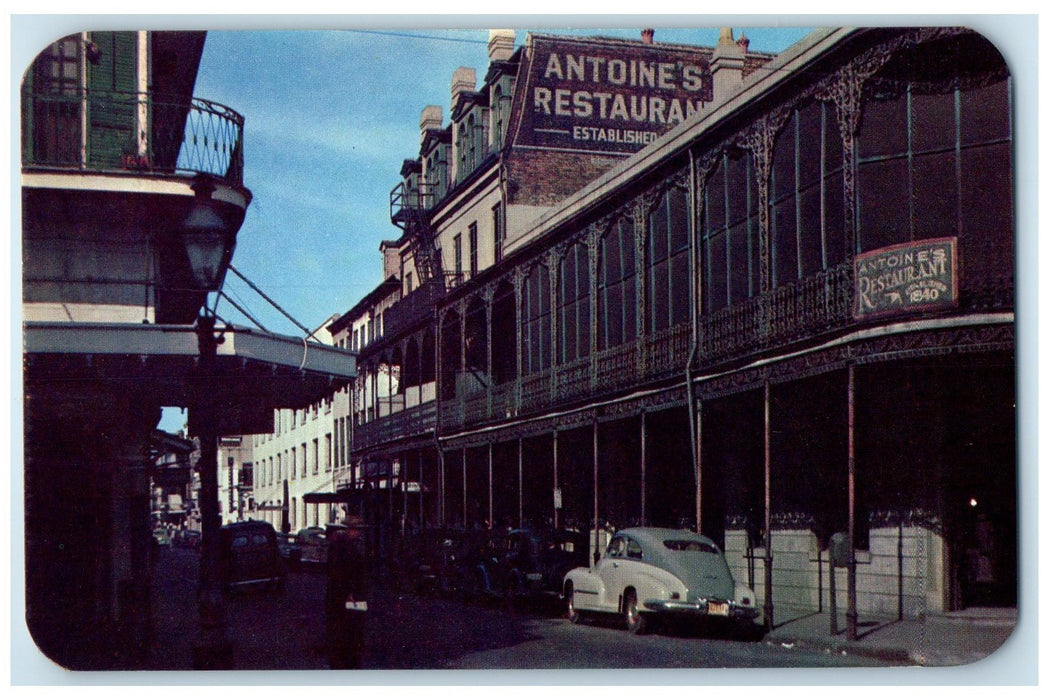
<point x="649" y="571"/>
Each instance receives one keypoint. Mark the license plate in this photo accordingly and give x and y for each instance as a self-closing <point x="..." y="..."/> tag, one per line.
<point x="535" y="577"/>
<point x="717" y="608"/>
<point x="359" y="606"/>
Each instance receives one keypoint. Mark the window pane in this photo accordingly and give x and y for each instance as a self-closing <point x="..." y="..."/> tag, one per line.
<point x="809" y="235"/>
<point x="568" y="333"/>
<point x="883" y="130"/>
<point x="884" y="204"/>
<point x="657" y="232"/>
<point x="810" y="130"/>
<point x="678" y="220"/>
<point x="714" y="201"/>
<point x="738" y="189"/>
<point x="834" y="218"/>
<point x="659" y="301"/>
<point x="610" y="263"/>
<point x="933" y="121"/>
<point x="987" y="193"/>
<point x="784" y="242"/>
<point x="568" y="281"/>
<point x="716" y="277"/>
<point x="985" y="113"/>
<point x="738" y="265"/>
<point x="783" y="163"/>
<point x="679" y="288"/>
<point x="626" y="250"/>
<point x="935" y="196"/>
<point x="629" y="309"/>
<point x="583" y="327"/>
<point x="613" y="316"/>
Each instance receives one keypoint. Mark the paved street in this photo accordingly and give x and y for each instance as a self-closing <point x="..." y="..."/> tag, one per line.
<point x="283" y="630"/>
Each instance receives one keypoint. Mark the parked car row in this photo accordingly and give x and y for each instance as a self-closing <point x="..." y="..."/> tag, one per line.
<point x="645" y="575"/>
<point x="515" y="566"/>
<point x="307" y="547"/>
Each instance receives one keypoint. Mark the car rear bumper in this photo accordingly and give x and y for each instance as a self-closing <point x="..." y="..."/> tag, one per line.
<point x="711" y="609"/>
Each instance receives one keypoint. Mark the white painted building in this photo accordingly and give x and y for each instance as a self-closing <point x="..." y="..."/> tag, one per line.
<point x="292" y="461"/>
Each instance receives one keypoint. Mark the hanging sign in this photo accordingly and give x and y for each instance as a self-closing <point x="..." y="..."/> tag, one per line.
<point x="905" y="278"/>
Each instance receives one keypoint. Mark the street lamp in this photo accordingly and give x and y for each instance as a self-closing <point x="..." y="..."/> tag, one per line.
<point x="208" y="244"/>
<point x="207" y="239"/>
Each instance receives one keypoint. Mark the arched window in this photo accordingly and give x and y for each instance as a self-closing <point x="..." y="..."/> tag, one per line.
<point x="412" y="370"/>
<point x="617" y="287"/>
<point x="668" y="261"/>
<point x="933" y="154"/>
<point x="574" y="304"/>
<point x="451" y="360"/>
<point x="504" y="334"/>
<point x="476" y="337"/>
<point x="731" y="251"/>
<point x="807" y="195"/>
<point x="535" y="321"/>
<point x="428" y="359"/>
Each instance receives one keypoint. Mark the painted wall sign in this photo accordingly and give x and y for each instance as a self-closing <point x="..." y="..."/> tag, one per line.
<point x="608" y="95"/>
<point x="907" y="277"/>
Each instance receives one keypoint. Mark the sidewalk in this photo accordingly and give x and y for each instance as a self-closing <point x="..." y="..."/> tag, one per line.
<point x="948" y="639"/>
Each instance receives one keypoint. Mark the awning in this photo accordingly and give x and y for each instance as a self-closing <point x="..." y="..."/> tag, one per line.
<point x="255" y="371"/>
<point x="337" y="497"/>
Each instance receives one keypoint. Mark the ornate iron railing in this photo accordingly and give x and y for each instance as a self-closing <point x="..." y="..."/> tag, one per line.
<point x="787" y="313"/>
<point x="409" y="422"/>
<point x="791" y="313"/>
<point x="535" y="389"/>
<point x="668" y="349"/>
<point x="92" y="130"/>
<point x="616" y="367"/>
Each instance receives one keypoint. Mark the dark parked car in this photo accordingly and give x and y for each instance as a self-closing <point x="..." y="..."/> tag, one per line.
<point x="312" y="546"/>
<point x="188" y="538"/>
<point x="533" y="563"/>
<point x="287" y="548"/>
<point x="249" y="554"/>
<point x="448" y="561"/>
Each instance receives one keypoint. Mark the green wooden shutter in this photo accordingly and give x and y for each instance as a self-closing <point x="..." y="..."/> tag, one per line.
<point x="112" y="82"/>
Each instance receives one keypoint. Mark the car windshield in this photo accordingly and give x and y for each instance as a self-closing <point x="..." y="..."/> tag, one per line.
<point x="689" y="546"/>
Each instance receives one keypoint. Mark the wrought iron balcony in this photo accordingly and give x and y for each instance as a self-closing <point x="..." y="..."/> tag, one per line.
<point x="107" y="131"/>
<point x="785" y="316"/>
<point x="405" y="423"/>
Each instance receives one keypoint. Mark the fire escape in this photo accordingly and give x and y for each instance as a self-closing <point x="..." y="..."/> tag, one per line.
<point x="410" y="204"/>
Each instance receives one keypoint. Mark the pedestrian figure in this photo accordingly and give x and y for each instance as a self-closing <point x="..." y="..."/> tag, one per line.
<point x="346" y="597"/>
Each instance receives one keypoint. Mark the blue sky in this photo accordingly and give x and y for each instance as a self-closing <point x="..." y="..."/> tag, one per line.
<point x="329" y="118"/>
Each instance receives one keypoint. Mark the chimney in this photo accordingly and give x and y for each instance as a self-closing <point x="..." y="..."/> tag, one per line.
<point x="726" y="66"/>
<point x="646" y="35"/>
<point x="430" y="120"/>
<point x="463" y="80"/>
<point x="501" y="44"/>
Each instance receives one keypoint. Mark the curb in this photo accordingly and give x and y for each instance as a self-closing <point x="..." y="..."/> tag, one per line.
<point x="881" y="653"/>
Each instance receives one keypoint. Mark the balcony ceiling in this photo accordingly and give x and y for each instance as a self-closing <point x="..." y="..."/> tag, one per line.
<point x="254" y="373"/>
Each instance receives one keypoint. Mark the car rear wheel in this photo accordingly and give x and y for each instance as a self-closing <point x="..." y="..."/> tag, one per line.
<point x="635" y="619"/>
<point x="570" y="609"/>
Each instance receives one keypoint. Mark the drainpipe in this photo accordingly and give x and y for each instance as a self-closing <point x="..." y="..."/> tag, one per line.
<point x="769" y="619"/>
<point x="694" y="297"/>
<point x="850" y="613"/>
